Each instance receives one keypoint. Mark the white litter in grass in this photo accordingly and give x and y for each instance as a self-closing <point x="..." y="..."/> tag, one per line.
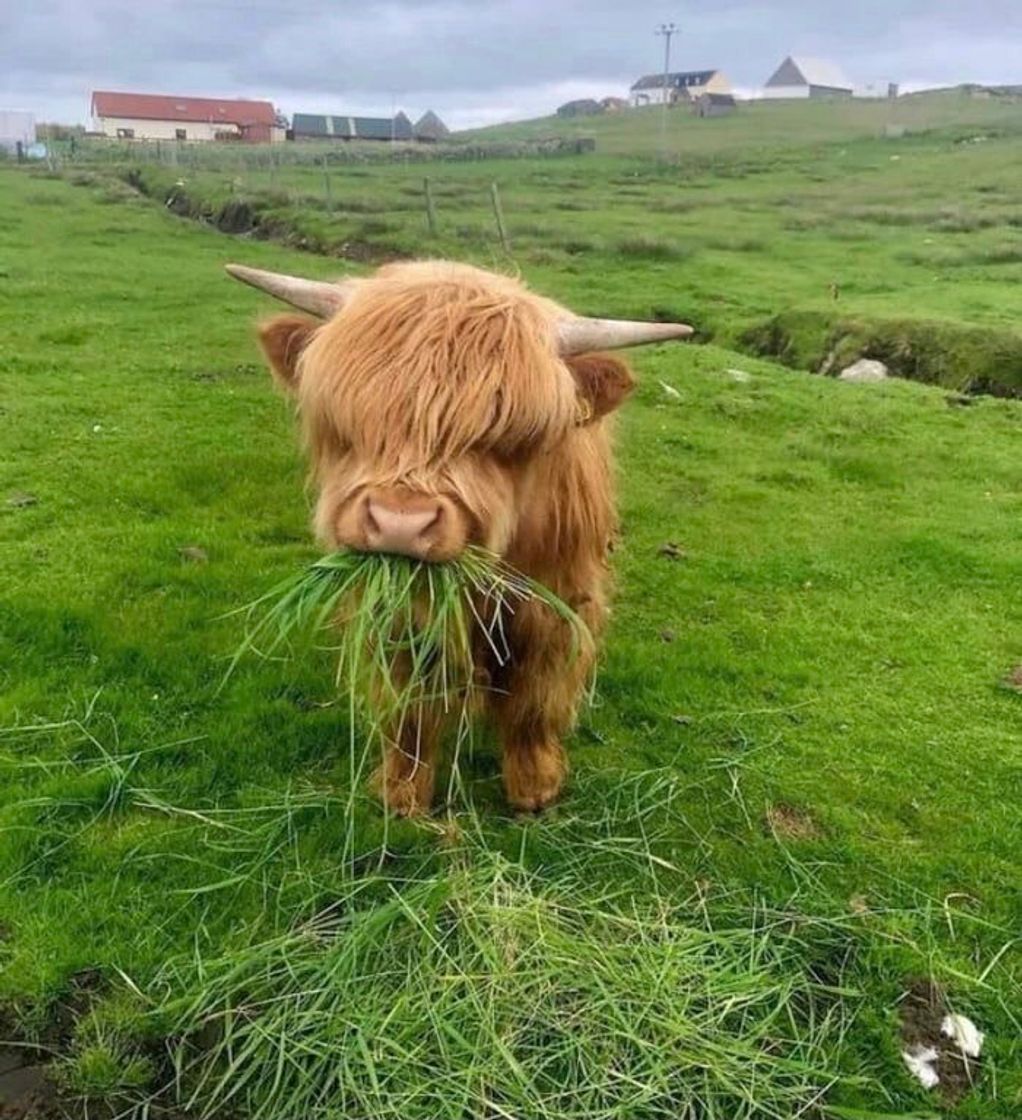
<point x="670" y="390"/>
<point x="921" y="1061"/>
<point x="967" y="1036"/>
<point x="739" y="375"/>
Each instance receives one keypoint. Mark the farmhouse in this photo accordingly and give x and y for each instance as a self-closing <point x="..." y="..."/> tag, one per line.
<point x="318" y="126"/>
<point x="149" y="116"/>
<point x="16" y="129"/>
<point x="429" y="128"/>
<point x="807" y="77"/>
<point x="655" y="89"/>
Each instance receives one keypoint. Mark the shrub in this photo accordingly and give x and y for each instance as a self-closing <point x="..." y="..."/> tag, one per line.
<point x="649" y="247"/>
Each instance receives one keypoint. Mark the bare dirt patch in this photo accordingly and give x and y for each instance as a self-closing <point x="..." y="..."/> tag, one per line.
<point x="1013" y="679"/>
<point x="922" y="1012"/>
<point x="792" y="823"/>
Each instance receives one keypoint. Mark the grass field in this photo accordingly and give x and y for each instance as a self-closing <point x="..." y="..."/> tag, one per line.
<point x="801" y="742"/>
<point x="791" y="231"/>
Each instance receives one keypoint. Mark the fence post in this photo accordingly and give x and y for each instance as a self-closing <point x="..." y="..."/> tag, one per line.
<point x="326" y="184"/>
<point x="430" y="207"/>
<point x="498" y="213"/>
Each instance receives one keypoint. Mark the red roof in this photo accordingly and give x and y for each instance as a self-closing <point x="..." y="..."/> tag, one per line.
<point x="158" y="107"/>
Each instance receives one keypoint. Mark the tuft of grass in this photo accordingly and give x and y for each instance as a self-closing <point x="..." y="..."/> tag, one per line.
<point x="102" y="1071"/>
<point x="647" y="246"/>
<point x="486" y="991"/>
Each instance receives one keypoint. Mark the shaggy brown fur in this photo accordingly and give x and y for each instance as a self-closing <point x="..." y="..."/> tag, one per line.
<point x="440" y="379"/>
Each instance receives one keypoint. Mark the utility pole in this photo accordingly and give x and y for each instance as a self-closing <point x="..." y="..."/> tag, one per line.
<point x="666" y="30"/>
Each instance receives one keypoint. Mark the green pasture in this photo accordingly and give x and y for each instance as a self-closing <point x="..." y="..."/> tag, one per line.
<point x="795" y="794"/>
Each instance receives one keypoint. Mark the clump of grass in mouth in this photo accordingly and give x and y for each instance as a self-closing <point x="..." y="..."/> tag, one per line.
<point x="405" y="631"/>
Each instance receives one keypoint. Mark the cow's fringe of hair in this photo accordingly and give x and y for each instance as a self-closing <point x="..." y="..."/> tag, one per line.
<point x="471" y="368"/>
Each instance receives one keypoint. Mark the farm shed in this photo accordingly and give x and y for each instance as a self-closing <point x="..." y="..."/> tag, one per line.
<point x="16" y="127"/>
<point x="714" y="105"/>
<point x="583" y="107"/>
<point x="429" y="128"/>
<point x="318" y="126"/>
<point x="807" y="77"/>
<point x="150" y="116"/>
<point x="686" y="85"/>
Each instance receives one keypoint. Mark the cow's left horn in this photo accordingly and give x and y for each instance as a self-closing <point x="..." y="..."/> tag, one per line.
<point x="315" y="296"/>
<point x="583" y="336"/>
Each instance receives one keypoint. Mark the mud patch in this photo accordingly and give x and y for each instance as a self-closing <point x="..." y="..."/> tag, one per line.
<point x="922" y="1013"/>
<point x="26" y="1090"/>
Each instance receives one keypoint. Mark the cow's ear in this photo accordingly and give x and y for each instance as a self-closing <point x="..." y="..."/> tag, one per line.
<point x="603" y="383"/>
<point x="283" y="338"/>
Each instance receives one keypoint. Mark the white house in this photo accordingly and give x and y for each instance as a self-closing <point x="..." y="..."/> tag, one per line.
<point x="685" y="85"/>
<point x="807" y="77"/>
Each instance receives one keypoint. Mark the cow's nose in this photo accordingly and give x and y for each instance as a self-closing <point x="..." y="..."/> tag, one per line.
<point x="409" y="529"/>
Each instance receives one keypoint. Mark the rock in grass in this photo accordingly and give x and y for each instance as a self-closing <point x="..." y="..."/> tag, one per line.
<point x="922" y="1064"/>
<point x="866" y="371"/>
<point x="964" y="1033"/>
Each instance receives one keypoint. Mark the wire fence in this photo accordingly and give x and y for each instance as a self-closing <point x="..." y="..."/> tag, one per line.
<point x="267" y="157"/>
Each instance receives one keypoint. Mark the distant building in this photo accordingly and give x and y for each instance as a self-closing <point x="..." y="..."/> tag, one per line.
<point x="583" y="107"/>
<point x="318" y="126"/>
<point x="714" y="105"/>
<point x="16" y="127"/>
<point x="687" y="85"/>
<point x="877" y="90"/>
<point x="149" y="116"/>
<point x="807" y="77"/>
<point x="614" y="104"/>
<point x="429" y="128"/>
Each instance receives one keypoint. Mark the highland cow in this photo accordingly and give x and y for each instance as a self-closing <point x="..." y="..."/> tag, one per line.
<point x="444" y="406"/>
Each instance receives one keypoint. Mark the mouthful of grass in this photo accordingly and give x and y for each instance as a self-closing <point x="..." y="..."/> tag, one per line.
<point x="405" y="632"/>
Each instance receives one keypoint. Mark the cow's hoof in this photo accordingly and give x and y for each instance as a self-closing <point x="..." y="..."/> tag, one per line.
<point x="401" y="797"/>
<point x="534" y="779"/>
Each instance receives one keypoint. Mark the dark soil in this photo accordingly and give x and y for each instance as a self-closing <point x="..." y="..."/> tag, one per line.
<point x="26" y="1092"/>
<point x="922" y="1012"/>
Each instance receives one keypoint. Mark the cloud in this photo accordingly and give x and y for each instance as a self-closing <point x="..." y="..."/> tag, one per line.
<point x="471" y="61"/>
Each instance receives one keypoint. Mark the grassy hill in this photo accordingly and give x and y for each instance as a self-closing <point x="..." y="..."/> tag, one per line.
<point x="762" y="125"/>
<point x="799" y="231"/>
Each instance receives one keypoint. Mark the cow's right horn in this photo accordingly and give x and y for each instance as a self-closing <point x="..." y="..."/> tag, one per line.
<point x="583" y="336"/>
<point x="315" y="296"/>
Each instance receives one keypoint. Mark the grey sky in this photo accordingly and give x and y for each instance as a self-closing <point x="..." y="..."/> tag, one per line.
<point x="472" y="62"/>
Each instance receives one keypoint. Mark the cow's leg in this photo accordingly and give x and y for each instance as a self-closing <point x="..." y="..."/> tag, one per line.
<point x="537" y="704"/>
<point x="404" y="781"/>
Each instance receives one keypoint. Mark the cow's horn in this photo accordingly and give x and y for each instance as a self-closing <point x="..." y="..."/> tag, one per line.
<point x="582" y="336"/>
<point x="315" y="296"/>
